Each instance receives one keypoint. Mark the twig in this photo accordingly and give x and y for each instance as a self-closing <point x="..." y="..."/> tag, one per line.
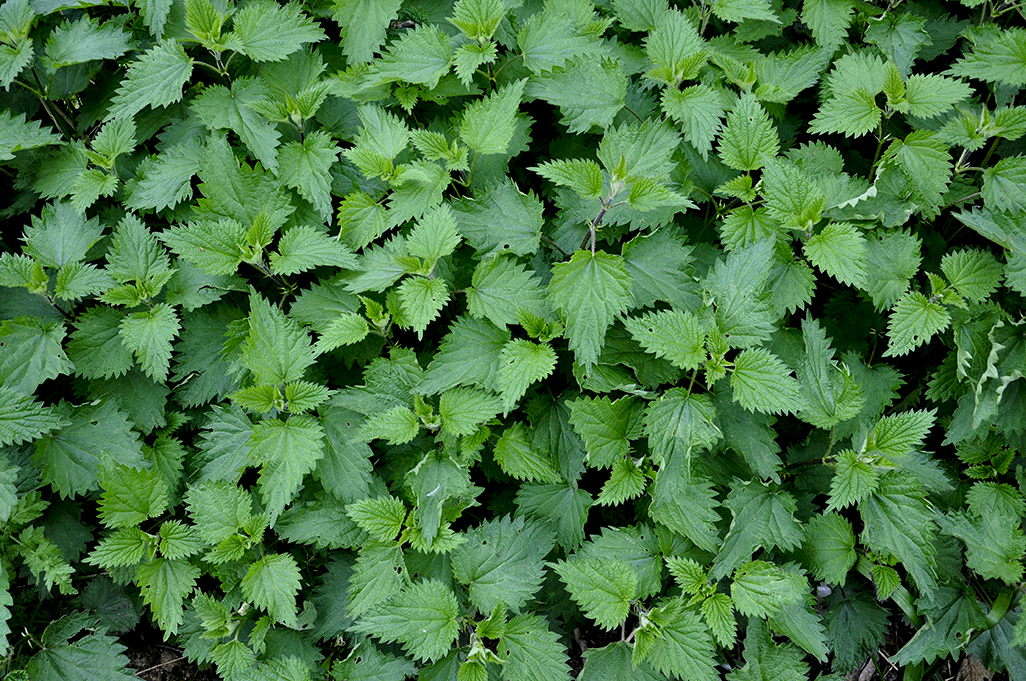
<point x="158" y="666"/>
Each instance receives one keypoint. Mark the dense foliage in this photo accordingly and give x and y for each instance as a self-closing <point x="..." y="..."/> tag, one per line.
<point x="384" y="339"/>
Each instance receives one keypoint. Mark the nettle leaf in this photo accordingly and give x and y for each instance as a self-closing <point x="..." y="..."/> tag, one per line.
<point x="306" y="167"/>
<point x="517" y="456"/>
<point x="914" y="321"/>
<point x="423" y="617"/>
<point x="679" y="424"/>
<point x="589" y="290"/>
<point x="587" y="91"/>
<point x="276" y="350"/>
<point x="272" y="583"/>
<point x="266" y="31"/>
<point x="422" y="300"/>
<point x="365" y="24"/>
<point x="763" y="517"/>
<point x="305" y="247"/>
<point x="31" y="353"/>
<point x="17" y="133"/>
<point x="699" y="109"/>
<point x="165" y="585"/>
<point x="130" y="495"/>
<point x="830" y="545"/>
<point x="675" y="49"/>
<point x="997" y="56"/>
<point x="762" y="383"/>
<point x="23" y="419"/>
<point x="288" y="450"/>
<point x="422" y="55"/>
<point x="749" y="137"/>
<point x="487" y="125"/>
<point x="603" y="425"/>
<point x="522" y="363"/>
<point x="761" y="589"/>
<point x="148" y="335"/>
<point x="531" y="651"/>
<point x="603" y="588"/>
<point x="677" y="336"/>
<point x="155" y="79"/>
<point x="1004" y="185"/>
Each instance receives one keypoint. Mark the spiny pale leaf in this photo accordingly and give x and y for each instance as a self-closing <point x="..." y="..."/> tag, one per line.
<point x="603" y="426"/>
<point x="422" y="55"/>
<point x="30" y="353"/>
<point x="898" y="521"/>
<point x="897" y="435"/>
<point x="469" y="354"/>
<point x="589" y="290"/>
<point x="548" y="39"/>
<point x="155" y="79"/>
<point x="1004" y="185"/>
<point x="675" y="49"/>
<point x="16" y="134"/>
<point x="763" y="517"/>
<point x="584" y="176"/>
<point x="347" y="329"/>
<point x="95" y="347"/>
<point x="852" y="113"/>
<point x="741" y="10"/>
<point x="684" y="648"/>
<point x="215" y="247"/>
<point x="564" y="506"/>
<point x="994" y="545"/>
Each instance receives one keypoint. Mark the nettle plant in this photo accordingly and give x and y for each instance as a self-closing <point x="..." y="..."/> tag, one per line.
<point x="383" y="339"/>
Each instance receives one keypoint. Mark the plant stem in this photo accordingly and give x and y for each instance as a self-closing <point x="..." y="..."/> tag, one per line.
<point x="552" y="243"/>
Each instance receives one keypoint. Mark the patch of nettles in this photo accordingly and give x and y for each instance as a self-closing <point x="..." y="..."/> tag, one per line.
<point x="379" y="339"/>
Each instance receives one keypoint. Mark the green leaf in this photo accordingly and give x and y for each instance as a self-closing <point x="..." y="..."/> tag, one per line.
<point x="587" y="91"/>
<point x="348" y="329"/>
<point x="462" y="410"/>
<point x="69" y="458"/>
<point x="854" y="480"/>
<point x="532" y="651"/>
<point x="519" y="214"/>
<point x="487" y="125"/>
<point x="763" y="517"/>
<point x="748" y="138"/>
<point x="589" y="290"/>
<point x="899" y="522"/>
<point x="603" y="425"/>
<point x="381" y="517"/>
<point x="215" y="247"/>
<point x="924" y="161"/>
<point x="435" y="235"/>
<point x="469" y="355"/>
<point x="683" y="647"/>
<point x="899" y="36"/>
<point x="626" y="481"/>
<point x="830" y="545"/>
<point x="60" y="235"/>
<point x="148" y="335"/>
<point x="852" y="113"/>
<point x="675" y="49"/>
<point x="522" y="363"/>
<point x="517" y="457"/>
<point x="677" y="336"/>
<point x="761" y="589"/>
<point x="550" y="38"/>
<point x="679" y="425"/>
<point x="82" y="41"/>
<point x="501" y="287"/>
<point x="220" y="109"/>
<point x="422" y="55"/>
<point x="94" y="656"/>
<point x="23" y="419"/>
<point x="478" y="19"/>
<point x="76" y="281"/>
<point x="165" y="585"/>
<point x="998" y="56"/>
<point x="660" y="269"/>
<point x="263" y="30"/>
<point x="762" y="383"/>
<point x="397" y="425"/>
<point x="995" y="545"/>
<point x="306" y="167"/>
<point x="584" y="176"/>
<point x="792" y="198"/>
<point x="130" y="495"/>
<point x="914" y="321"/>
<point x="931" y="95"/>
<point x="603" y="588"/>
<point x="155" y="79"/>
<point x="892" y="259"/>
<point x="564" y="506"/>
<point x="740" y="10"/>
<point x="95" y="347"/>
<point x="502" y="562"/>
<point x="897" y="435"/>
<point x="1004" y="185"/>
<point x="380" y="571"/>
<point x="305" y="247"/>
<point x="423" y="617"/>
<point x="30" y="353"/>
<point x="422" y="300"/>
<point x="271" y="583"/>
<point x="17" y="134"/>
<point x="699" y="109"/>
<point x="276" y="350"/>
<point x="287" y="450"/>
<point x="365" y="23"/>
<point x="830" y="393"/>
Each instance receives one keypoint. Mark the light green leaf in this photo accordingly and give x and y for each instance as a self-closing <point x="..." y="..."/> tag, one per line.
<point x="549" y="39"/>
<point x="422" y="300"/>
<point x="626" y="481"/>
<point x="17" y="134"/>
<point x="469" y="354"/>
<point x="165" y="585"/>
<point x="215" y="247"/>
<point x="852" y="113"/>
<point x="263" y="30"/>
<point x="82" y="41"/>
<point x="679" y="424"/>
<point x="584" y="176"/>
<point x="517" y="457"/>
<point x="23" y="419"/>
<point x="501" y="287"/>
<point x="435" y="235"/>
<point x="95" y="656"/>
<point x="763" y="517"/>
<point x="347" y="329"/>
<point x="306" y="167"/>
<point x="589" y="290"/>
<point x="130" y="495"/>
<point x="519" y="214"/>
<point x="381" y="517"/>
<point x="587" y="91"/>
<point x="532" y="651"/>
<point x="604" y="588"/>
<point x="830" y="545"/>
<point x="423" y="617"/>
<point x="31" y="353"/>
<point x="683" y="647"/>
<point x="271" y="583"/>
<point x="994" y="544"/>
<point x="148" y="335"/>
<point x="487" y="125"/>
<point x="95" y="347"/>
<point x="853" y="481"/>
<point x="1004" y="185"/>
<point x="462" y="410"/>
<point x="997" y="56"/>
<point x="898" y="435"/>
<point x="422" y="55"/>
<point x="761" y="589"/>
<point x="741" y="10"/>
<point x="522" y="363"/>
<point x="287" y="451"/>
<point x="676" y="50"/>
<point x="81" y="280"/>
<point x="276" y="350"/>
<point x="564" y="506"/>
<point x="677" y="336"/>
<point x="931" y="95"/>
<point x="155" y="79"/>
<point x="305" y="247"/>
<point x="397" y="425"/>
<point x="699" y="110"/>
<point x="761" y="382"/>
<point x="839" y="249"/>
<point x="364" y="24"/>
<point x="914" y="321"/>
<point x="748" y="138"/>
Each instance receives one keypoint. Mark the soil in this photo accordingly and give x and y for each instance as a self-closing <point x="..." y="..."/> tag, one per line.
<point x="154" y="660"/>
